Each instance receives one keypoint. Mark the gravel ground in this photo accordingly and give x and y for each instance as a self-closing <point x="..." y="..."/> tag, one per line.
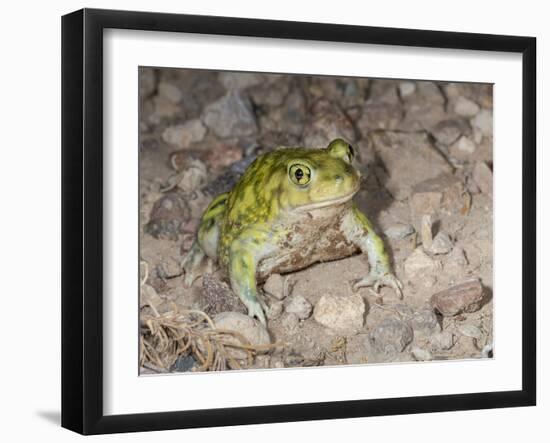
<point x="425" y="149"/>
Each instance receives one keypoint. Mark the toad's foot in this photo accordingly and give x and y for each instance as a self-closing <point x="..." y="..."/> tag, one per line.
<point x="255" y="310"/>
<point x="376" y="281"/>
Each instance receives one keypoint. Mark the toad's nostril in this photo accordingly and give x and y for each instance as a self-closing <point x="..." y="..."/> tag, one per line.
<point x="338" y="178"/>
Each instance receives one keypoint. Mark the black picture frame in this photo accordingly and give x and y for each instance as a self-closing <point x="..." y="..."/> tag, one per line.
<point x="82" y="218"/>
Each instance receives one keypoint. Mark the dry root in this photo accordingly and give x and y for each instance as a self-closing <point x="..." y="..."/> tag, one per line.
<point x="166" y="337"/>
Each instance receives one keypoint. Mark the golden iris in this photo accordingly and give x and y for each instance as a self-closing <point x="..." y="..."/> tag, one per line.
<point x="300" y="174"/>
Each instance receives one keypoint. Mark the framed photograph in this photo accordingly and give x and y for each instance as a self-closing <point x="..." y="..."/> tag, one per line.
<point x="269" y="221"/>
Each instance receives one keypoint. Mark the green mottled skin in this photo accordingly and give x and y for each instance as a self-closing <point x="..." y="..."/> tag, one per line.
<point x="273" y="221"/>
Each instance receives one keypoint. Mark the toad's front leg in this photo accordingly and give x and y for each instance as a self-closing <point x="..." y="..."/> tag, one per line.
<point x="242" y="276"/>
<point x="359" y="230"/>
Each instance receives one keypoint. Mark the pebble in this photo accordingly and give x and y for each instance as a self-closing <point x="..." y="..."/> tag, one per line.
<point x="275" y="286"/>
<point x="230" y="116"/>
<point x="456" y="258"/>
<point x="325" y="123"/>
<point x="190" y="179"/>
<point x="484" y="122"/>
<point x="170" y="92"/>
<point x="419" y="264"/>
<point x="442" y="244"/>
<point x="442" y="341"/>
<point x="168" y="214"/>
<point x="409" y="159"/>
<point x="444" y="193"/>
<point x="391" y="336"/>
<point x="380" y="115"/>
<point x="252" y="330"/>
<point x="470" y="331"/>
<point x="424" y="320"/>
<point x="164" y="108"/>
<point x="290" y="322"/>
<point x="182" y="136"/>
<point x="464" y="145"/>
<point x="464" y="297"/>
<point x="447" y="132"/>
<point x="340" y="314"/>
<point x="466" y="107"/>
<point x="483" y="177"/>
<point x="407" y="88"/>
<point x="275" y="310"/>
<point x="184" y="364"/>
<point x="218" y="297"/>
<point x="239" y="80"/>
<point x="426" y="231"/>
<point x="399" y="231"/>
<point x="298" y="305"/>
<point x="420" y="354"/>
<point x="149" y="297"/>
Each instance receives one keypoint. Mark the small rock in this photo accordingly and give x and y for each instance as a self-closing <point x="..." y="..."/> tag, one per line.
<point x="465" y="107"/>
<point x="230" y="116"/>
<point x="165" y="109"/>
<point x="182" y="136"/>
<point x="447" y="132"/>
<point x="426" y="231"/>
<point x="169" y="213"/>
<point x="269" y="93"/>
<point x="298" y="305"/>
<point x="275" y="286"/>
<point x="340" y="314"/>
<point x="424" y="320"/>
<point x="419" y="264"/>
<point x="192" y="178"/>
<point x="275" y="310"/>
<point x="391" y="336"/>
<point x="399" y="231"/>
<point x="438" y="196"/>
<point x="239" y="80"/>
<point x="442" y="341"/>
<point x="470" y="331"/>
<point x="184" y="363"/>
<point x="483" y="177"/>
<point x="484" y="122"/>
<point x="420" y="354"/>
<point x="456" y="258"/>
<point x="326" y="121"/>
<point x="290" y="322"/>
<point x="406" y="88"/>
<point x="149" y="297"/>
<point x="463" y="148"/>
<point x="218" y="297"/>
<point x="380" y="115"/>
<point x="464" y="297"/>
<point x="170" y="92"/>
<point x="442" y="244"/>
<point x="409" y="159"/>
<point x="222" y="155"/>
<point x="253" y="331"/>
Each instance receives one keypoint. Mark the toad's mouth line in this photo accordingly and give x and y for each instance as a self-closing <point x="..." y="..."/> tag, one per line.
<point x="331" y="202"/>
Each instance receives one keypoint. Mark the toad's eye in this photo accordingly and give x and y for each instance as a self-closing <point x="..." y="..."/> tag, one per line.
<point x="299" y="174"/>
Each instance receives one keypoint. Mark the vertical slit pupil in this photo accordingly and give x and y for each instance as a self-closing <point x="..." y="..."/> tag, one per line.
<point x="299" y="174"/>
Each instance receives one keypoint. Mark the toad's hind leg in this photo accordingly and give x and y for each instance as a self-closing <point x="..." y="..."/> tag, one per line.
<point x="206" y="241"/>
